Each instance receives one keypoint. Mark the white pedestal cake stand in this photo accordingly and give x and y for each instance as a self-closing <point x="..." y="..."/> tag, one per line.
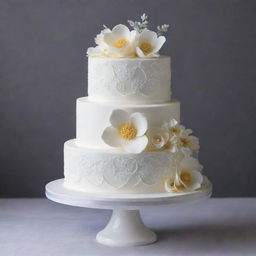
<point x="125" y="227"/>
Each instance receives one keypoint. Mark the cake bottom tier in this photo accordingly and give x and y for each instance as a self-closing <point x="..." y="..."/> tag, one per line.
<point x="111" y="171"/>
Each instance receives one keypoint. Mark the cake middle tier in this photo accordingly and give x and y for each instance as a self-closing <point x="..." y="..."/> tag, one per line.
<point x="92" y="118"/>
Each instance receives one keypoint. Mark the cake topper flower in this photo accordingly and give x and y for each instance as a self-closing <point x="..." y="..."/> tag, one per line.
<point x="187" y="175"/>
<point x="127" y="131"/>
<point x="149" y="44"/>
<point x="120" y="42"/>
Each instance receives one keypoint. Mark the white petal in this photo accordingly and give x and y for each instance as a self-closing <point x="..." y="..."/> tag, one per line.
<point x="173" y="122"/>
<point x="147" y="36"/>
<point x="136" y="145"/>
<point x="108" y="38"/>
<point x="140" y="122"/>
<point x="105" y="30"/>
<point x="121" y="31"/>
<point x="94" y="51"/>
<point x="197" y="180"/>
<point x="140" y="53"/>
<point x="191" y="163"/>
<point x="134" y="38"/>
<point x="118" y="118"/>
<point x="167" y="185"/>
<point x="159" y="43"/>
<point x="195" y="142"/>
<point x="99" y="38"/>
<point x="181" y="128"/>
<point x="111" y="137"/>
<point x="186" y="131"/>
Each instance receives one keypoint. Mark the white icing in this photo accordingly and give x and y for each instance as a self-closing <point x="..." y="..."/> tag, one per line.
<point x="100" y="171"/>
<point x="131" y="80"/>
<point x="92" y="118"/>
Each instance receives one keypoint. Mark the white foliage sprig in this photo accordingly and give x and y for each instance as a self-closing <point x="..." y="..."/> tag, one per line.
<point x="162" y="29"/>
<point x="139" y="25"/>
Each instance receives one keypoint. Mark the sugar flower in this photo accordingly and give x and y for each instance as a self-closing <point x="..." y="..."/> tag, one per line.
<point x="187" y="177"/>
<point x="127" y="131"/>
<point x="187" y="142"/>
<point x="175" y="129"/>
<point x="118" y="42"/>
<point x="149" y="44"/>
<point x="181" y="138"/>
<point x="157" y="137"/>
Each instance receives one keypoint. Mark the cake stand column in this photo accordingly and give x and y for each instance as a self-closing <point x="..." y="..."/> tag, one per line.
<point x="126" y="228"/>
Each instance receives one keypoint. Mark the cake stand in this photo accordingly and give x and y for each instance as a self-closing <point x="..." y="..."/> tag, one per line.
<point x="125" y="227"/>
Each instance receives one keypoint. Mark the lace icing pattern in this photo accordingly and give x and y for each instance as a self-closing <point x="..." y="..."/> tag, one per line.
<point x="128" y="79"/>
<point x="117" y="171"/>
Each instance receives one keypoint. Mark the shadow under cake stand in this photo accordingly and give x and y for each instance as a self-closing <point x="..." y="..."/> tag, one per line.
<point x="125" y="227"/>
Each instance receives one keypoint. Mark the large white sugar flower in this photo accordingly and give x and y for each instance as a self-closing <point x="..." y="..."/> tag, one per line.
<point x="157" y="138"/>
<point x="119" y="42"/>
<point x="149" y="44"/>
<point x="127" y="131"/>
<point x="188" y="176"/>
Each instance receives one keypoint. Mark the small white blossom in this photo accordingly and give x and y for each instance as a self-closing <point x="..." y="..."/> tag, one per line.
<point x="149" y="44"/>
<point x="157" y="138"/>
<point x="187" y="176"/>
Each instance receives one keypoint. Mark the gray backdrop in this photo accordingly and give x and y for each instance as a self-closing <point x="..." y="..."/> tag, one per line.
<point x="44" y="68"/>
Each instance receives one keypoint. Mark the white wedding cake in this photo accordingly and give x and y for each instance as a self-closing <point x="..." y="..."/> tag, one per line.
<point x="128" y="135"/>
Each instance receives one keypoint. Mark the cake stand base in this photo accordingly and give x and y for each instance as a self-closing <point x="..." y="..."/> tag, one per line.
<point x="125" y="227"/>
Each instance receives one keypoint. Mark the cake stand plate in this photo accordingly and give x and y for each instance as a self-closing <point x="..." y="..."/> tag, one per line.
<point x="125" y="227"/>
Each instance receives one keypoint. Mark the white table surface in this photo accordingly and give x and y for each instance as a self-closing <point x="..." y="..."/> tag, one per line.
<point x="40" y="227"/>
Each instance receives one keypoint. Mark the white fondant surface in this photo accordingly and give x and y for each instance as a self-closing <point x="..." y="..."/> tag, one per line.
<point x="112" y="171"/>
<point x="92" y="118"/>
<point x="129" y="80"/>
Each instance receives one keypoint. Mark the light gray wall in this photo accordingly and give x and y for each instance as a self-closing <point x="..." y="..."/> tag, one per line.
<point x="43" y="71"/>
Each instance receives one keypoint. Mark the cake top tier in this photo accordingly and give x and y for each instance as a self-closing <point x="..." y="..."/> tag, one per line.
<point x="120" y="42"/>
<point x="129" y="80"/>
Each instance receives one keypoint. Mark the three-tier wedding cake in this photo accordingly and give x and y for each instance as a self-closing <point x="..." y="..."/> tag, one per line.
<point x="128" y="135"/>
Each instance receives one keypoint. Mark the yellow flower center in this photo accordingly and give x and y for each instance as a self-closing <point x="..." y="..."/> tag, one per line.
<point x="127" y="131"/>
<point x="146" y="47"/>
<point x="120" y="42"/>
<point x="185" y="177"/>
<point x="185" y="143"/>
<point x="175" y="131"/>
